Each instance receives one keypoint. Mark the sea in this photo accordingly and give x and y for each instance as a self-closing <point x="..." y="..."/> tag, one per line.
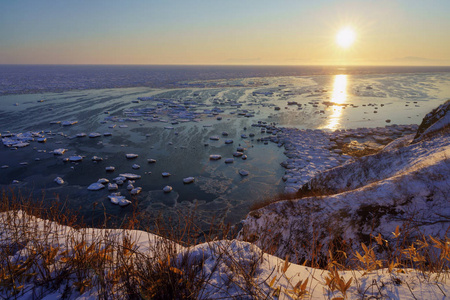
<point x="179" y="116"/>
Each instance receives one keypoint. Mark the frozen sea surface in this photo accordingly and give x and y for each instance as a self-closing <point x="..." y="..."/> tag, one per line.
<point x="174" y="126"/>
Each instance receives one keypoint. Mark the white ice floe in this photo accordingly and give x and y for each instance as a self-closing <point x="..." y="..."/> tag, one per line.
<point x="214" y="138"/>
<point x="81" y="134"/>
<point x="75" y="158"/>
<point x="120" y="178"/>
<point x="131" y="155"/>
<point x="136" y="191"/>
<point x="240" y="149"/>
<point x="112" y="187"/>
<point x="151" y="161"/>
<point x="59" y="180"/>
<point x="167" y="189"/>
<point x="96" y="186"/>
<point x="110" y="169"/>
<point x="165" y="174"/>
<point x="130" y="186"/>
<point x="19" y="140"/>
<point x="244" y="172"/>
<point x="103" y="180"/>
<point x="94" y="134"/>
<point x="124" y="202"/>
<point x="215" y="157"/>
<point x="229" y="160"/>
<point x="21" y="144"/>
<point x="96" y="158"/>
<point x="116" y="198"/>
<point x="59" y="151"/>
<point x="238" y="154"/>
<point x="136" y="166"/>
<point x="130" y="176"/>
<point x="244" y="157"/>
<point x="188" y="179"/>
<point x="41" y="140"/>
<point x="68" y="123"/>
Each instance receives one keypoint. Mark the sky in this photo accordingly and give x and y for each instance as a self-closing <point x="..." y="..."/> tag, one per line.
<point x="244" y="32"/>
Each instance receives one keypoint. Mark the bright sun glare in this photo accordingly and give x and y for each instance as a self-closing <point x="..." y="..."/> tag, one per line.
<point x="345" y="37"/>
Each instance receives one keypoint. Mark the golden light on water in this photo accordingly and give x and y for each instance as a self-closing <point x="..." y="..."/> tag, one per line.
<point x="338" y="97"/>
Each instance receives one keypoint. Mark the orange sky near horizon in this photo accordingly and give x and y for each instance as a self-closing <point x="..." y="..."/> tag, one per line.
<point x="397" y="32"/>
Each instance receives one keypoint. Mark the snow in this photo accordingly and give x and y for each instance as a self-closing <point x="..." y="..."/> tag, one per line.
<point x="406" y="184"/>
<point x="227" y="265"/>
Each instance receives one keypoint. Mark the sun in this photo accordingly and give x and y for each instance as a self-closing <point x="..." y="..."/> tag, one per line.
<point x="345" y="37"/>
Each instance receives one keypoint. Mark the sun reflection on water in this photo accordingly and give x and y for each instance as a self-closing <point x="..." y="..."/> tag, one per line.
<point x="338" y="98"/>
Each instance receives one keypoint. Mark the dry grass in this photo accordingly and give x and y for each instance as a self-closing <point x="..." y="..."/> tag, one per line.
<point x="38" y="258"/>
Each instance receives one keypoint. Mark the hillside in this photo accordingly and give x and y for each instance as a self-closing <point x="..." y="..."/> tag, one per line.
<point x="406" y="184"/>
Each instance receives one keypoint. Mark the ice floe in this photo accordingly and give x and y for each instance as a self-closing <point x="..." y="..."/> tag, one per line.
<point x="136" y="191"/>
<point x="94" y="134"/>
<point x="244" y="172"/>
<point x="229" y="160"/>
<point x="96" y="186"/>
<point x="167" y="189"/>
<point x="112" y="186"/>
<point x="75" y="158"/>
<point x="59" y="180"/>
<point x="59" y="151"/>
<point x="130" y="176"/>
<point x="110" y="169"/>
<point x="116" y="198"/>
<point x="188" y="180"/>
<point x="103" y="180"/>
<point x="68" y="123"/>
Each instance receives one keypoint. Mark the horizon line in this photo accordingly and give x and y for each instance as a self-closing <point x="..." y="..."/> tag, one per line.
<point x="224" y="65"/>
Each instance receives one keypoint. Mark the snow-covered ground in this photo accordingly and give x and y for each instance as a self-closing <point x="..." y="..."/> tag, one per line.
<point x="232" y="269"/>
<point x="407" y="184"/>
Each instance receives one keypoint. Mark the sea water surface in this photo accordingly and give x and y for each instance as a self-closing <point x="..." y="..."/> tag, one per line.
<point x="170" y="113"/>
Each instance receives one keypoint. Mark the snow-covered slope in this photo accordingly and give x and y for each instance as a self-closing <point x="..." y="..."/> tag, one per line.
<point x="407" y="185"/>
<point x="228" y="269"/>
